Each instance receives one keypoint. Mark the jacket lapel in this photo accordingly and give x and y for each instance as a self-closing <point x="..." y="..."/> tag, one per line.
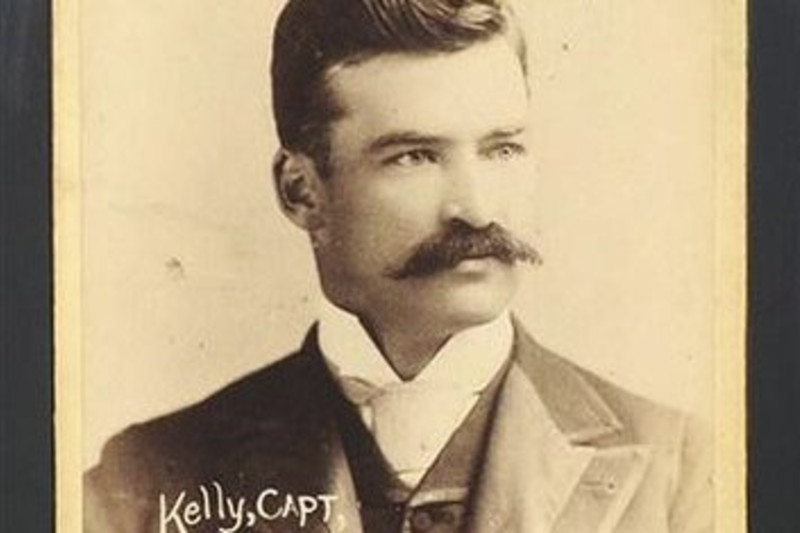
<point x="299" y="453"/>
<point x="604" y="490"/>
<point x="545" y="470"/>
<point x="325" y="473"/>
<point x="345" y="515"/>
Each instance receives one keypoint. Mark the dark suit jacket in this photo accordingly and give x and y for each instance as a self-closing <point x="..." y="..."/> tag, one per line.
<point x="567" y="453"/>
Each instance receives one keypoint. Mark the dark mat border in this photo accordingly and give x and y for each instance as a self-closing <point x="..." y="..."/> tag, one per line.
<point x="774" y="267"/>
<point x="26" y="397"/>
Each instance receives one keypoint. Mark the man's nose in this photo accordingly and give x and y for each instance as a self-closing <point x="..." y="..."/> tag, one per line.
<point x="467" y="196"/>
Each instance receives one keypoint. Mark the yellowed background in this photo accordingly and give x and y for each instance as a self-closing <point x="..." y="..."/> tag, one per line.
<point x="191" y="278"/>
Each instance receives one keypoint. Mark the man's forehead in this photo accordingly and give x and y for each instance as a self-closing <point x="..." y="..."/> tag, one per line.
<point x="481" y="87"/>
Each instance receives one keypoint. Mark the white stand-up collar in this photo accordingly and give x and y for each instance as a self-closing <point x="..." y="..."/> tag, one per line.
<point x="469" y="359"/>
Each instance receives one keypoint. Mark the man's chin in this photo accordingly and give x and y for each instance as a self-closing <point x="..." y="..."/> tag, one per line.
<point x="471" y="305"/>
<point x="469" y="319"/>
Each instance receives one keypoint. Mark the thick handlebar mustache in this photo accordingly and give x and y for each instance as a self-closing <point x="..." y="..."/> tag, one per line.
<point x="460" y="241"/>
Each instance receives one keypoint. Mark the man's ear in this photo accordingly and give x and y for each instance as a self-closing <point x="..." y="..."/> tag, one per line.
<point x="299" y="189"/>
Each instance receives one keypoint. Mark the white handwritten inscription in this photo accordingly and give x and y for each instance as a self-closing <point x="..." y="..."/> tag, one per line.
<point x="235" y="513"/>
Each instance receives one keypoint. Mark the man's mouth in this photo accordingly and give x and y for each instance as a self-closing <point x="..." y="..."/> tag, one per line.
<point x="475" y="264"/>
<point x="475" y="258"/>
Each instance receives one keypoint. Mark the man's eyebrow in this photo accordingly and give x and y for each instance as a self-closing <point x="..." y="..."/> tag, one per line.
<point x="504" y="133"/>
<point x="411" y="137"/>
<point x="402" y="138"/>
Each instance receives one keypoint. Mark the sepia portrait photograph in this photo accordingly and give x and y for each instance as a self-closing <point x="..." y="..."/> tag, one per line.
<point x="400" y="266"/>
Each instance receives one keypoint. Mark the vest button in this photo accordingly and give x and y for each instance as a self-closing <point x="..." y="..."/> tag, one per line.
<point x="421" y="520"/>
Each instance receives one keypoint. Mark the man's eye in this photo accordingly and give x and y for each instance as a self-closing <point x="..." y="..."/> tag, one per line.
<point x="413" y="158"/>
<point x="506" y="151"/>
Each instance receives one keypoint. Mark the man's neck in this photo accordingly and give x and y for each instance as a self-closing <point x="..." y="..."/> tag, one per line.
<point x="408" y="350"/>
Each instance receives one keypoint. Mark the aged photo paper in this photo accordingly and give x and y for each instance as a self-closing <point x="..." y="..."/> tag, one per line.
<point x="179" y="272"/>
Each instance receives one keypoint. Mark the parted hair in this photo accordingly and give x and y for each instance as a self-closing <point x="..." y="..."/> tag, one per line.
<point x="312" y="36"/>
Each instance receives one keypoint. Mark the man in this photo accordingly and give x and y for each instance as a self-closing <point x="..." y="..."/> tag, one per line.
<point x="417" y="403"/>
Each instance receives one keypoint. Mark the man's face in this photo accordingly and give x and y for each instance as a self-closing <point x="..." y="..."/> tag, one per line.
<point x="425" y="143"/>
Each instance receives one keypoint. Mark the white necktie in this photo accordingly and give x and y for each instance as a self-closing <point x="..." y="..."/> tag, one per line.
<point x="411" y="421"/>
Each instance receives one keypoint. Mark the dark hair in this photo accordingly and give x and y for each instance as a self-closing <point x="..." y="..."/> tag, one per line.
<point x="314" y="35"/>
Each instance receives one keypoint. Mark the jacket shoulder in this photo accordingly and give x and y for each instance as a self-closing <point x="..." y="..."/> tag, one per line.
<point x="642" y="420"/>
<point x="579" y="397"/>
<point x="182" y="444"/>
